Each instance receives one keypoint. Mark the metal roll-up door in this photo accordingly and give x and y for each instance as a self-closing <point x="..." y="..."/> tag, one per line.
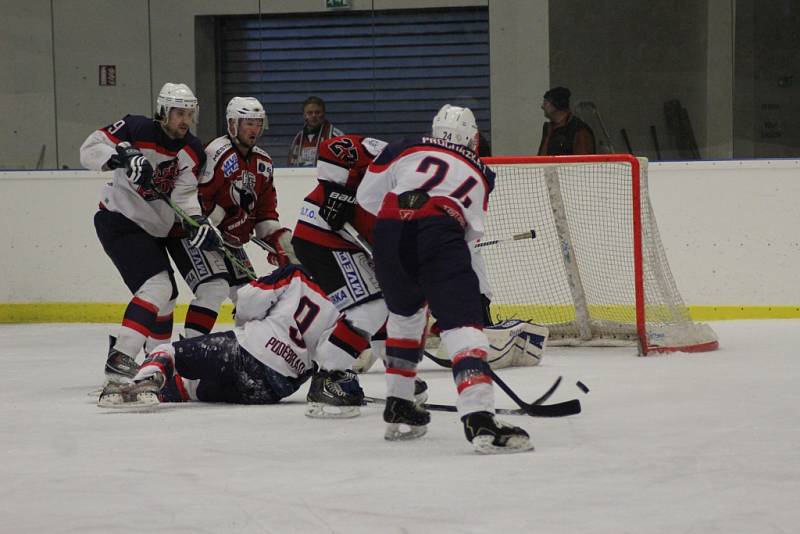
<point x="382" y="73"/>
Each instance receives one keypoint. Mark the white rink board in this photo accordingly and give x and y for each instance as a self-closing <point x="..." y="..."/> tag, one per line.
<point x="728" y="229"/>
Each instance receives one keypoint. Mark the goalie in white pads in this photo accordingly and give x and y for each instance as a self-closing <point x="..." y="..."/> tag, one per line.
<point x="283" y="325"/>
<point x="430" y="196"/>
<point x="512" y="343"/>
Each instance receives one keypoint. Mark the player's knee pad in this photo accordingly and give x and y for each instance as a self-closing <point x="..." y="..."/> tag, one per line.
<point x="407" y="327"/>
<point x="462" y="338"/>
<point x="368" y="317"/>
<point x="211" y="294"/>
<point x="157" y="290"/>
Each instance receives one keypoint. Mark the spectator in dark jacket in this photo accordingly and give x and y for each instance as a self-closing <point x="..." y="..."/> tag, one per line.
<point x="565" y="134"/>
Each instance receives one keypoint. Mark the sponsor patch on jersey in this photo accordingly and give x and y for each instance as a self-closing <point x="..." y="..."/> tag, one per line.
<point x="341" y="298"/>
<point x="264" y="168"/>
<point x="351" y="275"/>
<point x="230" y="165"/>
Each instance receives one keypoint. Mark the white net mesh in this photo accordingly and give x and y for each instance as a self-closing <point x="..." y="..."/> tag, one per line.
<point x="578" y="274"/>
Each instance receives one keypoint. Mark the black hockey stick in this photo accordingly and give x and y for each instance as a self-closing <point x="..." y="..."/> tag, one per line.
<point x="530" y="234"/>
<point x="561" y="409"/>
<point x="191" y="222"/>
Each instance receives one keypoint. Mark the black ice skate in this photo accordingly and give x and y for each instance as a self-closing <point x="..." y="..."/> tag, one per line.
<point x="420" y="391"/>
<point x="334" y="394"/>
<point x="137" y="394"/>
<point x="408" y="413"/>
<point x="490" y="436"/>
<point x="120" y="368"/>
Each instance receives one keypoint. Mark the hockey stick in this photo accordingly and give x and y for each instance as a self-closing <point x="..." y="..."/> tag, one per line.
<point x="570" y="407"/>
<point x="530" y="234"/>
<point x="263" y="244"/>
<point x="350" y="230"/>
<point x="534" y="409"/>
<point x="191" y="222"/>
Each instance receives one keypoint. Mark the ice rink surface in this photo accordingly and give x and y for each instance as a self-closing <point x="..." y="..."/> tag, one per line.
<point x="703" y="443"/>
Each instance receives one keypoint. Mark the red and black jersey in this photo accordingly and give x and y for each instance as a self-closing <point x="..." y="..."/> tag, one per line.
<point x="232" y="182"/>
<point x="342" y="160"/>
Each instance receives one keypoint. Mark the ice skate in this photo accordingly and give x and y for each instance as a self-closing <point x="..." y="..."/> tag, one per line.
<point x="334" y="394"/>
<point x="407" y="413"/>
<point x="490" y="436"/>
<point x="120" y="368"/>
<point x="139" y="394"/>
<point x="420" y="391"/>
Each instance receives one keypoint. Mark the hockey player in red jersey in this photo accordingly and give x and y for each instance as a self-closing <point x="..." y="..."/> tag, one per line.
<point x="238" y="196"/>
<point x="337" y="263"/>
<point x="151" y="158"/>
<point x="284" y="328"/>
<point x="430" y="196"/>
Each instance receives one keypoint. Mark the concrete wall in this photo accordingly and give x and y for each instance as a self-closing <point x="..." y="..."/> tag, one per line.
<point x="727" y="228"/>
<point x="626" y="56"/>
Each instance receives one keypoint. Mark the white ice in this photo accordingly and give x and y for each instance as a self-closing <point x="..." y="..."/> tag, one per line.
<point x="701" y="443"/>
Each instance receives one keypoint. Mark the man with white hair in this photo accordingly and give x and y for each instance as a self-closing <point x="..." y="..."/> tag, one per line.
<point x="430" y="196"/>
<point x="152" y="159"/>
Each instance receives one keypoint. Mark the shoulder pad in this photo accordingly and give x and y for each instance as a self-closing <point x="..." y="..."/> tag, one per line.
<point x="217" y="148"/>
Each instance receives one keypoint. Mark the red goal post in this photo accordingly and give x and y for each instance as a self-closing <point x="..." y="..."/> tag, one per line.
<point x="596" y="272"/>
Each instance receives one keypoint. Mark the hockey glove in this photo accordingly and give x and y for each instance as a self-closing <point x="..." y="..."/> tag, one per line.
<point x="138" y="169"/>
<point x="203" y="236"/>
<point x="281" y="241"/>
<point x="236" y="229"/>
<point x="338" y="206"/>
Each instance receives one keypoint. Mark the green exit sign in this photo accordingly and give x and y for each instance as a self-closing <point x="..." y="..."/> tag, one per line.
<point x="337" y="4"/>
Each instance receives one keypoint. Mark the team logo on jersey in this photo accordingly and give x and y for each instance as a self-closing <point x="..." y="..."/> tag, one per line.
<point x="164" y="176"/>
<point x="230" y="165"/>
<point x="264" y="168"/>
<point x="243" y="191"/>
<point x="373" y="146"/>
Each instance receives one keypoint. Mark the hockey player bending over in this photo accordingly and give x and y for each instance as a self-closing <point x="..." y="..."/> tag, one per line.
<point x="338" y="264"/>
<point x="430" y="196"/>
<point x="283" y="325"/>
<point x="151" y="158"/>
<point x="238" y="196"/>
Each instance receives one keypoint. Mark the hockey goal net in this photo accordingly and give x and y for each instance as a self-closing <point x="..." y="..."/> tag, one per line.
<point x="596" y="272"/>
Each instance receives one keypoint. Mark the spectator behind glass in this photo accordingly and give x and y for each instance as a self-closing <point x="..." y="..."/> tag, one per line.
<point x="316" y="128"/>
<point x="565" y="134"/>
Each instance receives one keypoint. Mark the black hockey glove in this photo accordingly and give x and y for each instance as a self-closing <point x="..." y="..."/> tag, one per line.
<point x="203" y="236"/>
<point x="138" y="169"/>
<point x="338" y="206"/>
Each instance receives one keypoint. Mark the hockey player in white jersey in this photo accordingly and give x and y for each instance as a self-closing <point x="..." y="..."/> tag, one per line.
<point x="151" y="159"/>
<point x="283" y="325"/>
<point x="430" y="196"/>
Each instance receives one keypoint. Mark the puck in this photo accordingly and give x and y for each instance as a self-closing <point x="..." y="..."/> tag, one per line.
<point x="582" y="386"/>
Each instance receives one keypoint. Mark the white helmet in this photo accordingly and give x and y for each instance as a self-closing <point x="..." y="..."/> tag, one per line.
<point x="244" y="107"/>
<point x="175" y="95"/>
<point x="456" y="125"/>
